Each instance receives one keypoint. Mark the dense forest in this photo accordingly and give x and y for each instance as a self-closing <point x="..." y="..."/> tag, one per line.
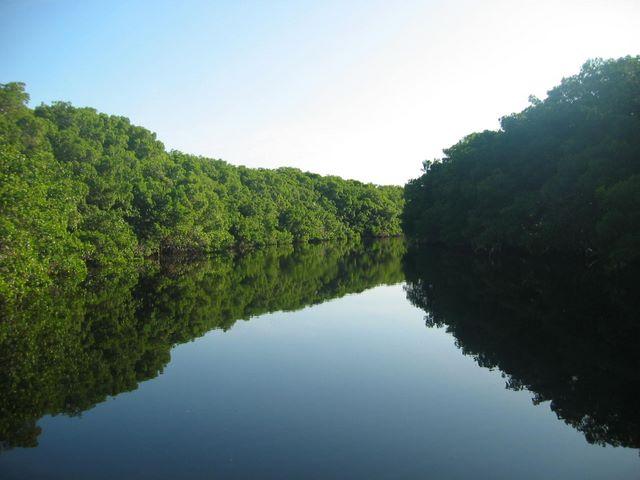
<point x="555" y="327"/>
<point x="562" y="175"/>
<point x="81" y="189"/>
<point x="64" y="353"/>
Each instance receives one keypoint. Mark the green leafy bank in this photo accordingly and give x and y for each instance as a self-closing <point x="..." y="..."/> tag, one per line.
<point x="562" y="175"/>
<point x="81" y="189"/>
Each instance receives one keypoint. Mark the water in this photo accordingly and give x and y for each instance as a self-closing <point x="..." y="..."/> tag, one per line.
<point x="334" y="375"/>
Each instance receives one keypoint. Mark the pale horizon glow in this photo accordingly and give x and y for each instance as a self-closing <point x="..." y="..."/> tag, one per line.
<point x="360" y="89"/>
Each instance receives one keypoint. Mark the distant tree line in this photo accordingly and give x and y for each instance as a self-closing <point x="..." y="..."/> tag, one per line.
<point x="562" y="175"/>
<point x="81" y="189"/>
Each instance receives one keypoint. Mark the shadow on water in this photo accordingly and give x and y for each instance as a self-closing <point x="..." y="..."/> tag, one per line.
<point x="568" y="334"/>
<point x="70" y="349"/>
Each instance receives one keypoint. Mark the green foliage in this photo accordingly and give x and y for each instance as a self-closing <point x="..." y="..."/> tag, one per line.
<point x="38" y="205"/>
<point x="560" y="175"/>
<point x="74" y="345"/>
<point x="83" y="189"/>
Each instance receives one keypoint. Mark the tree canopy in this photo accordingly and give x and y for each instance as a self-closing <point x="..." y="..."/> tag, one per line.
<point x="81" y="189"/>
<point x="563" y="174"/>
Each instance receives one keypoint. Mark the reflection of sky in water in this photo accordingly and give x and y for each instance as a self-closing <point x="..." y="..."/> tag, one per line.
<point x="355" y="387"/>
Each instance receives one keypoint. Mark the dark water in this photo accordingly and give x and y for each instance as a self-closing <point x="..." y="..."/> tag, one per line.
<point x="523" y="370"/>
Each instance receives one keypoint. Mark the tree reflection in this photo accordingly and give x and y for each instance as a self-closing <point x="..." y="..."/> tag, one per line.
<point x="567" y="333"/>
<point x="66" y="351"/>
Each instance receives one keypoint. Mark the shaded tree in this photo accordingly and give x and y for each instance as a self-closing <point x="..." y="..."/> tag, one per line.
<point x="558" y="176"/>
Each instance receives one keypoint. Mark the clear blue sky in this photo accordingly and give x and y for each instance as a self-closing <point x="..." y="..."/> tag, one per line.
<point x="361" y="89"/>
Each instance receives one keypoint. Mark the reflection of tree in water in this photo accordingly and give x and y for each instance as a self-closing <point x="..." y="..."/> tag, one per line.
<point x="68" y="350"/>
<point x="567" y="333"/>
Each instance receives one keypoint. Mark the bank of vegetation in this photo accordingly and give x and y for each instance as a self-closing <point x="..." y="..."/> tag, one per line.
<point x="81" y="189"/>
<point x="562" y="175"/>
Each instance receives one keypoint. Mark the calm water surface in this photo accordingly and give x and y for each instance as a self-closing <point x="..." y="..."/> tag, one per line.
<point x="333" y="375"/>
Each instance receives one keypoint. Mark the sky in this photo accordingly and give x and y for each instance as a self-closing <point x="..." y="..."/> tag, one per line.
<point x="361" y="89"/>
